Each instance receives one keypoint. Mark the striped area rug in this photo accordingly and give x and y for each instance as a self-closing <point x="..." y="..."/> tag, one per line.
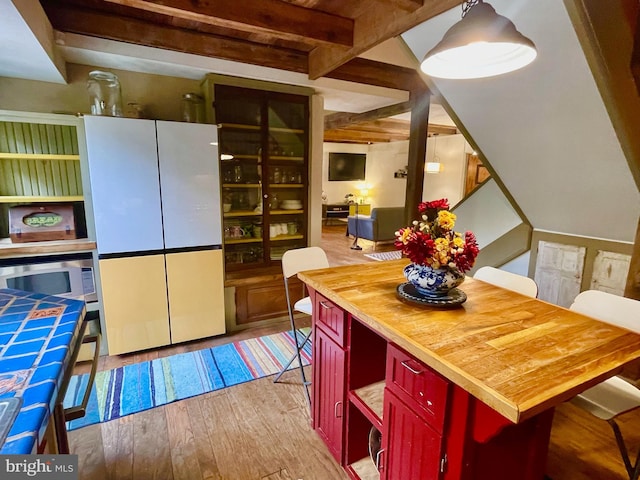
<point x="141" y="386"/>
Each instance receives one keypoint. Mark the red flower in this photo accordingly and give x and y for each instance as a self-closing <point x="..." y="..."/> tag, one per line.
<point x="442" y="204"/>
<point x="467" y="258"/>
<point x="419" y="247"/>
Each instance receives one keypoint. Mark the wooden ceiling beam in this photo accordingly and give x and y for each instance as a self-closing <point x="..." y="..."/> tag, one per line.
<point x="370" y="72"/>
<point x="408" y="5"/>
<point x="72" y="19"/>
<point x="341" y="119"/>
<point x="274" y="17"/>
<point x="376" y="24"/>
<point x="93" y="23"/>
<point x="349" y="136"/>
<point x="389" y="130"/>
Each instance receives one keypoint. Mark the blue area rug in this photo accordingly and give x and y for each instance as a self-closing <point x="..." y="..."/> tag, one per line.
<point x="141" y="386"/>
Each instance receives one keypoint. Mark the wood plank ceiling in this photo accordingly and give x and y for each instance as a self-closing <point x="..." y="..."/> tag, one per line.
<point x="321" y="38"/>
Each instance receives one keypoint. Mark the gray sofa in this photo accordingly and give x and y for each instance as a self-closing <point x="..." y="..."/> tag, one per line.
<point x="380" y="226"/>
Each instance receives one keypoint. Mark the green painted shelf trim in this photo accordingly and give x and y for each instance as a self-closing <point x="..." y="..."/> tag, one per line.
<point x="38" y="156"/>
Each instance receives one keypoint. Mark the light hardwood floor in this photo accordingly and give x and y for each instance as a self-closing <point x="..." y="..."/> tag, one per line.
<point x="261" y="430"/>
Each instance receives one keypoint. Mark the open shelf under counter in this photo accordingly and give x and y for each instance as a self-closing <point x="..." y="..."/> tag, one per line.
<point x="12" y="250"/>
<point x="365" y="469"/>
<point x="370" y="401"/>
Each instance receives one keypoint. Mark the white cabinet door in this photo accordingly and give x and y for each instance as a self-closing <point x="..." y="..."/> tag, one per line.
<point x="190" y="184"/>
<point x="123" y="170"/>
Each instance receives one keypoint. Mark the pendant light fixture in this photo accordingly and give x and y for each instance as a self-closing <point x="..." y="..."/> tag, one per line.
<point x="433" y="167"/>
<point x="482" y="44"/>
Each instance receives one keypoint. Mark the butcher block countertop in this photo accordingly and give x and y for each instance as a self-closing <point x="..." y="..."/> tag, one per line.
<point x="519" y="355"/>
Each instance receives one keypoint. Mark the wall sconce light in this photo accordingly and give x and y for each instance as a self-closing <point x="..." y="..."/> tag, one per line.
<point x="226" y="156"/>
<point x="482" y="44"/>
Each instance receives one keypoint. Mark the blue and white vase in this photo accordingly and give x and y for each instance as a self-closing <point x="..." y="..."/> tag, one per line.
<point x="432" y="282"/>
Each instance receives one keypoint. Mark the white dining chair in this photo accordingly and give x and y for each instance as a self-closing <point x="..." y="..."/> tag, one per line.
<point x="294" y="261"/>
<point x="508" y="280"/>
<point x="614" y="396"/>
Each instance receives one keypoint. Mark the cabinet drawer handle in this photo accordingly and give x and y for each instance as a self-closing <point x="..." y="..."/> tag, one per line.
<point x="325" y="305"/>
<point x="406" y="365"/>
<point x="379" y="466"/>
<point x="337" y="409"/>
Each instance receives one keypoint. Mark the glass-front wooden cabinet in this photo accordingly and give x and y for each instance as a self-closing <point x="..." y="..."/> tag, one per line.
<point x="264" y="147"/>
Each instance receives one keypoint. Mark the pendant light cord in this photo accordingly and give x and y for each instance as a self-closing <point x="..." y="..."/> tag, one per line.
<point x="466" y="6"/>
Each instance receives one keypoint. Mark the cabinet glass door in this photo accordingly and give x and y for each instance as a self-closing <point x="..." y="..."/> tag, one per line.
<point x="287" y="175"/>
<point x="241" y="140"/>
<point x="263" y="159"/>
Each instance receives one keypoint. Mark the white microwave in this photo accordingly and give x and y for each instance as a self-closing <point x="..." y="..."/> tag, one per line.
<point x="69" y="276"/>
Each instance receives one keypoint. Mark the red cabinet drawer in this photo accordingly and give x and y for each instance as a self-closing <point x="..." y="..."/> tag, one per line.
<point x="331" y="319"/>
<point x="418" y="385"/>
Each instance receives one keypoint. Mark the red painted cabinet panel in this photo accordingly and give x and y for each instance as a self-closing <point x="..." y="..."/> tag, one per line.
<point x="417" y="385"/>
<point x="329" y="392"/>
<point x="330" y="318"/>
<point x="412" y="450"/>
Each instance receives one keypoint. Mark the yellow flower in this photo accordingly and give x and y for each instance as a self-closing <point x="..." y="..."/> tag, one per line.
<point x="446" y="219"/>
<point x="458" y="242"/>
<point x="403" y="235"/>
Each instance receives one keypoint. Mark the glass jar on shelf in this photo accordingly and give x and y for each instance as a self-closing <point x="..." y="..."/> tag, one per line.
<point x="104" y="94"/>
<point x="192" y="108"/>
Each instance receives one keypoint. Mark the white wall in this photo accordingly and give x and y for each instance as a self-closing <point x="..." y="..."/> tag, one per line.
<point x="487" y="213"/>
<point x="384" y="159"/>
<point x="450" y="151"/>
<point x="519" y="265"/>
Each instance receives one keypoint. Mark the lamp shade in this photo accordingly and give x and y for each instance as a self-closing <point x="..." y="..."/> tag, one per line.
<point x="482" y="44"/>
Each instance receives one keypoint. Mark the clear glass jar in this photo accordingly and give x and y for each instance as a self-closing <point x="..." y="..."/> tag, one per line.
<point x="192" y="108"/>
<point x="104" y="94"/>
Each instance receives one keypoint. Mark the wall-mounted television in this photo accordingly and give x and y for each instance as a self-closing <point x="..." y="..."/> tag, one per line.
<point x="347" y="166"/>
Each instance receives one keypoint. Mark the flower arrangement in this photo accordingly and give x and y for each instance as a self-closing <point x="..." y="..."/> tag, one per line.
<point x="431" y="241"/>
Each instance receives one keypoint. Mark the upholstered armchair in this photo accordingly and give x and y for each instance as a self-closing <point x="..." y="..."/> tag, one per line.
<point x="380" y="226"/>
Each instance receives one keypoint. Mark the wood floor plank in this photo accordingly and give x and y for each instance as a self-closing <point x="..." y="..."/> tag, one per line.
<point x="151" y="451"/>
<point x="184" y="455"/>
<point x="87" y="444"/>
<point x="203" y="441"/>
<point x="120" y="461"/>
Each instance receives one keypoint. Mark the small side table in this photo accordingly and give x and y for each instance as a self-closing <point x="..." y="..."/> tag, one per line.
<point x="363" y="209"/>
